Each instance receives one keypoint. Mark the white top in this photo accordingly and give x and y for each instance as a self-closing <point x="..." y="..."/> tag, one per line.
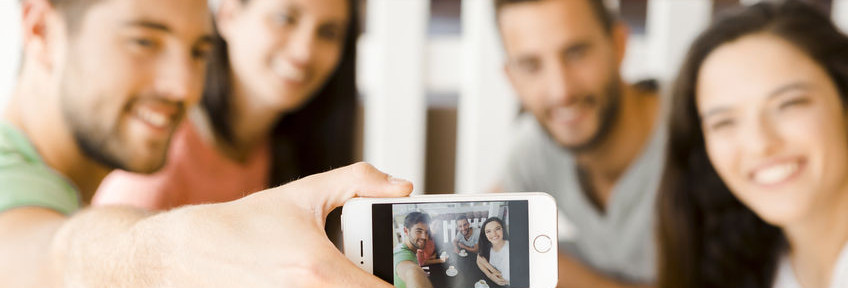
<point x="500" y="259"/>
<point x="785" y="277"/>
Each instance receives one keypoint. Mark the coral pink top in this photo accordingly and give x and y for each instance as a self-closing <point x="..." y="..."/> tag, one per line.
<point x="195" y="173"/>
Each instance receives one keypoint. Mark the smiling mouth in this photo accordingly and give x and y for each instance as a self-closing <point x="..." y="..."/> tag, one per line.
<point x="152" y="118"/>
<point x="777" y="173"/>
<point x="160" y="115"/>
<point x="289" y="71"/>
<point x="567" y="115"/>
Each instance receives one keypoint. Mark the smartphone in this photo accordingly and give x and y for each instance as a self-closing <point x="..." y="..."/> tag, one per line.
<point x="461" y="240"/>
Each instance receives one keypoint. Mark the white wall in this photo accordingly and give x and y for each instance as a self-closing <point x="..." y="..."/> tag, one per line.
<point x="9" y="48"/>
<point x="840" y="14"/>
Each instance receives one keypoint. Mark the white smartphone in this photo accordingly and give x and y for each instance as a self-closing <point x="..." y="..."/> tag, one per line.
<point x="481" y="241"/>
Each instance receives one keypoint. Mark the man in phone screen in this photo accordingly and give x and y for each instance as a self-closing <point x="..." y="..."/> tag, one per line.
<point x="408" y="273"/>
<point x="466" y="238"/>
<point x="592" y="141"/>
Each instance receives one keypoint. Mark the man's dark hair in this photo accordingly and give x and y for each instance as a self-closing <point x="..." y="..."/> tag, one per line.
<point x="462" y="217"/>
<point x="604" y="15"/>
<point x="415" y="218"/>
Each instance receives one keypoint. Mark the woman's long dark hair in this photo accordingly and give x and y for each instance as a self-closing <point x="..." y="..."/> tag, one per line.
<point x="312" y="139"/>
<point x="707" y="237"/>
<point x="485" y="244"/>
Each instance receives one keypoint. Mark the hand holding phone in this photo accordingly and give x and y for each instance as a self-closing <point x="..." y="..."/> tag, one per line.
<point x="514" y="235"/>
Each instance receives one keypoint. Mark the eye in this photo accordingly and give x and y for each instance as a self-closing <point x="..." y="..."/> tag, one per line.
<point x="330" y="33"/>
<point x="201" y="54"/>
<point x="577" y="52"/>
<point x="143" y="43"/>
<point x="794" y="102"/>
<point x="285" y="19"/>
<point x="529" y="66"/>
<point x="721" y="124"/>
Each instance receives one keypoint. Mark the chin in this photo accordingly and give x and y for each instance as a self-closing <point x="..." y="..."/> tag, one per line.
<point x="779" y="217"/>
<point x="148" y="167"/>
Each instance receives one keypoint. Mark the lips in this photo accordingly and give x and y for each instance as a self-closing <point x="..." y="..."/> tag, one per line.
<point x="566" y="114"/>
<point x="288" y="71"/>
<point x="157" y="114"/>
<point x="776" y="173"/>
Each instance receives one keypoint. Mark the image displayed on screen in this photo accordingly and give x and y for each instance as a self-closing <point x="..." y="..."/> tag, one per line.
<point x="462" y="244"/>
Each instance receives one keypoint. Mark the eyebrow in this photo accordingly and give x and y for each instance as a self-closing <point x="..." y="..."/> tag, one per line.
<point x="149" y="24"/>
<point x="205" y="39"/>
<point x="799" y="85"/>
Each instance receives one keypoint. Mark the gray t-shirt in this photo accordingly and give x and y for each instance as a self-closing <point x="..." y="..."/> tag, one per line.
<point x="618" y="243"/>
<point x="471" y="241"/>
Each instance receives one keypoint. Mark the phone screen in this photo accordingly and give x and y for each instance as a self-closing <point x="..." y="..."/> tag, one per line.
<point x="456" y="244"/>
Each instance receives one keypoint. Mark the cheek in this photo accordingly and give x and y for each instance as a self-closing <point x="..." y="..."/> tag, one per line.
<point x="595" y="74"/>
<point x="328" y="59"/>
<point x="722" y="153"/>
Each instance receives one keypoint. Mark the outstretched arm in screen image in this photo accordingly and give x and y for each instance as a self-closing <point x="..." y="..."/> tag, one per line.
<point x="491" y="272"/>
<point x="413" y="275"/>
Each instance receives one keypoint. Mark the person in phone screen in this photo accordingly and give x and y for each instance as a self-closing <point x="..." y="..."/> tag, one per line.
<point x="493" y="259"/>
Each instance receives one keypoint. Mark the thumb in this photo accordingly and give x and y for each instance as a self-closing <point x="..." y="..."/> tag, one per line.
<point x="326" y="191"/>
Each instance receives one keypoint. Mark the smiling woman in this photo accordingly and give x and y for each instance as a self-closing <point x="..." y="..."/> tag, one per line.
<point x="755" y="191"/>
<point x="278" y="105"/>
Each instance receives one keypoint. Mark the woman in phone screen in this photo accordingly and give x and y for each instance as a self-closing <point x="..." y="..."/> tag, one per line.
<point x="493" y="259"/>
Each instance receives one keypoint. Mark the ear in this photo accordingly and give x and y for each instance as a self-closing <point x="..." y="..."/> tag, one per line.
<point x="510" y="74"/>
<point x="225" y="16"/>
<point x="37" y="28"/>
<point x="620" y="36"/>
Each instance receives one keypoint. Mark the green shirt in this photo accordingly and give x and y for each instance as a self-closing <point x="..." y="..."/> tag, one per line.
<point x="26" y="181"/>
<point x="402" y="253"/>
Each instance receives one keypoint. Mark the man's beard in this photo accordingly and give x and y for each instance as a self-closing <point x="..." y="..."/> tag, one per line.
<point x="607" y="117"/>
<point x="92" y="142"/>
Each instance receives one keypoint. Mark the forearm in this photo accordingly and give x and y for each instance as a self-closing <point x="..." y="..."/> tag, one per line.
<point x="42" y="248"/>
<point x="485" y="267"/>
<point x="433" y="261"/>
<point x="101" y="248"/>
<point x="573" y="274"/>
<point x="471" y="249"/>
<point x="413" y="276"/>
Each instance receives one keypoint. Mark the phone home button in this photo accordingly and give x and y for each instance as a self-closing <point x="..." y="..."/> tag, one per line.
<point x="542" y="243"/>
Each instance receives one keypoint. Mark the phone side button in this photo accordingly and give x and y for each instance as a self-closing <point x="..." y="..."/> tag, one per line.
<point x="542" y="243"/>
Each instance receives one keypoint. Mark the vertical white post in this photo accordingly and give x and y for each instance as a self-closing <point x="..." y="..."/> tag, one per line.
<point x="487" y="105"/>
<point x="672" y="25"/>
<point x="10" y="50"/>
<point x="840" y="14"/>
<point x="395" y="107"/>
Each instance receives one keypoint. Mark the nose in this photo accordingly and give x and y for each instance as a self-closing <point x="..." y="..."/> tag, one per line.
<point x="559" y="84"/>
<point x="301" y="46"/>
<point x="759" y="136"/>
<point x="179" y="78"/>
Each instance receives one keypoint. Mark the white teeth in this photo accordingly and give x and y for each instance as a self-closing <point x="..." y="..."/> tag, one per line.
<point x="775" y="173"/>
<point x="288" y="71"/>
<point x="566" y="114"/>
<point x="153" y="118"/>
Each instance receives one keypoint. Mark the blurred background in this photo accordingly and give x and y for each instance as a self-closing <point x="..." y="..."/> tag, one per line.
<point x="435" y="107"/>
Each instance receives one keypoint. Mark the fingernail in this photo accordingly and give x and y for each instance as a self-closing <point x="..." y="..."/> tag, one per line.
<point x="397" y="181"/>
